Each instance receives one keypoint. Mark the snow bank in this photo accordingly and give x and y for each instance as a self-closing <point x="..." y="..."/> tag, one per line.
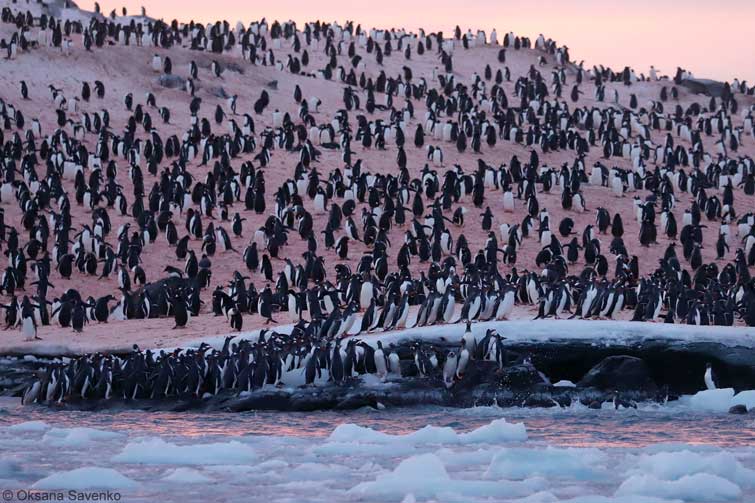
<point x="30" y="426"/>
<point x="565" y="330"/>
<point x="674" y="465"/>
<point x="497" y="431"/>
<point x="86" y="478"/>
<point x="541" y="331"/>
<point x="158" y="452"/>
<point x="551" y="462"/>
<point x="425" y="476"/>
<point x="75" y="437"/>
<point x="565" y="384"/>
<point x="697" y="487"/>
<point x="186" y="476"/>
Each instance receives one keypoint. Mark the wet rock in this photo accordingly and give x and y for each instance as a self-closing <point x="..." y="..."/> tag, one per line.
<point x="172" y="81"/>
<point x="619" y="373"/>
<point x="542" y="400"/>
<point x="738" y="409"/>
<point x="563" y="399"/>
<point x="704" y="86"/>
<point x="521" y="376"/>
<point x="595" y="405"/>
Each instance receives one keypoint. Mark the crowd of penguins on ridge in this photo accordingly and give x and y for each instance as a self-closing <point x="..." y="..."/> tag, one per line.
<point x="585" y="273"/>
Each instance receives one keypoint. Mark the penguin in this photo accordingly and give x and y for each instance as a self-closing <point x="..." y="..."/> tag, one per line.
<point x="709" y="377"/>
<point x="449" y="369"/>
<point x="379" y="359"/>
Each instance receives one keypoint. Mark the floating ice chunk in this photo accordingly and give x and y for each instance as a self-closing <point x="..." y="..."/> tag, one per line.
<point x="746" y="398"/>
<point x="272" y="464"/>
<point x="91" y="477"/>
<point x="674" y="465"/>
<point x="455" y="457"/>
<point x="595" y="498"/>
<point x="715" y="400"/>
<point x="234" y="469"/>
<point x="186" y="476"/>
<point x="551" y="462"/>
<point x="497" y="431"/>
<point x="367" y="450"/>
<point x="697" y="487"/>
<point x="425" y="476"/>
<point x="74" y="437"/>
<point x="316" y="471"/>
<point x="30" y="426"/>
<point x="157" y="452"/>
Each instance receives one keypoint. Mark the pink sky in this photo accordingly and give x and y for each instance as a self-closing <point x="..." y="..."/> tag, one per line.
<point x="712" y="39"/>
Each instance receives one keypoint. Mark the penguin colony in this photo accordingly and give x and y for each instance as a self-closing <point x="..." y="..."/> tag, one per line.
<point x="370" y="188"/>
<point x="244" y="366"/>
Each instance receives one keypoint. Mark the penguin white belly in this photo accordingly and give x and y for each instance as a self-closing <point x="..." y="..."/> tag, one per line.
<point x="380" y="367"/>
<point x="28" y="329"/>
<point x="617" y="186"/>
<point x="449" y="370"/>
<point x="596" y="177"/>
<point x="506" y="306"/>
<point x="365" y="295"/>
<point x="545" y="239"/>
<point x="508" y="201"/>
<point x="709" y="379"/>
<point x="395" y="364"/>
<point x="449" y="312"/>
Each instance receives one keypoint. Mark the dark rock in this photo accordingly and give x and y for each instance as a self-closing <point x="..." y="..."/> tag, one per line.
<point x="619" y="373"/>
<point x="563" y="399"/>
<point x="704" y="86"/>
<point x="738" y="409"/>
<point x="218" y="92"/>
<point x="172" y="81"/>
<point x="540" y="400"/>
<point x="521" y="376"/>
<point x="596" y="405"/>
<point x="273" y="84"/>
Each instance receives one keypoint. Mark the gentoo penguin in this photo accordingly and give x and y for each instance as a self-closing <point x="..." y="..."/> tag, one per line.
<point x="709" y="377"/>
<point x="449" y="369"/>
<point x="379" y="359"/>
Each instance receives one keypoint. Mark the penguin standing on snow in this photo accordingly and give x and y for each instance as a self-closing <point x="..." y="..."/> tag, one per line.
<point x="28" y="322"/>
